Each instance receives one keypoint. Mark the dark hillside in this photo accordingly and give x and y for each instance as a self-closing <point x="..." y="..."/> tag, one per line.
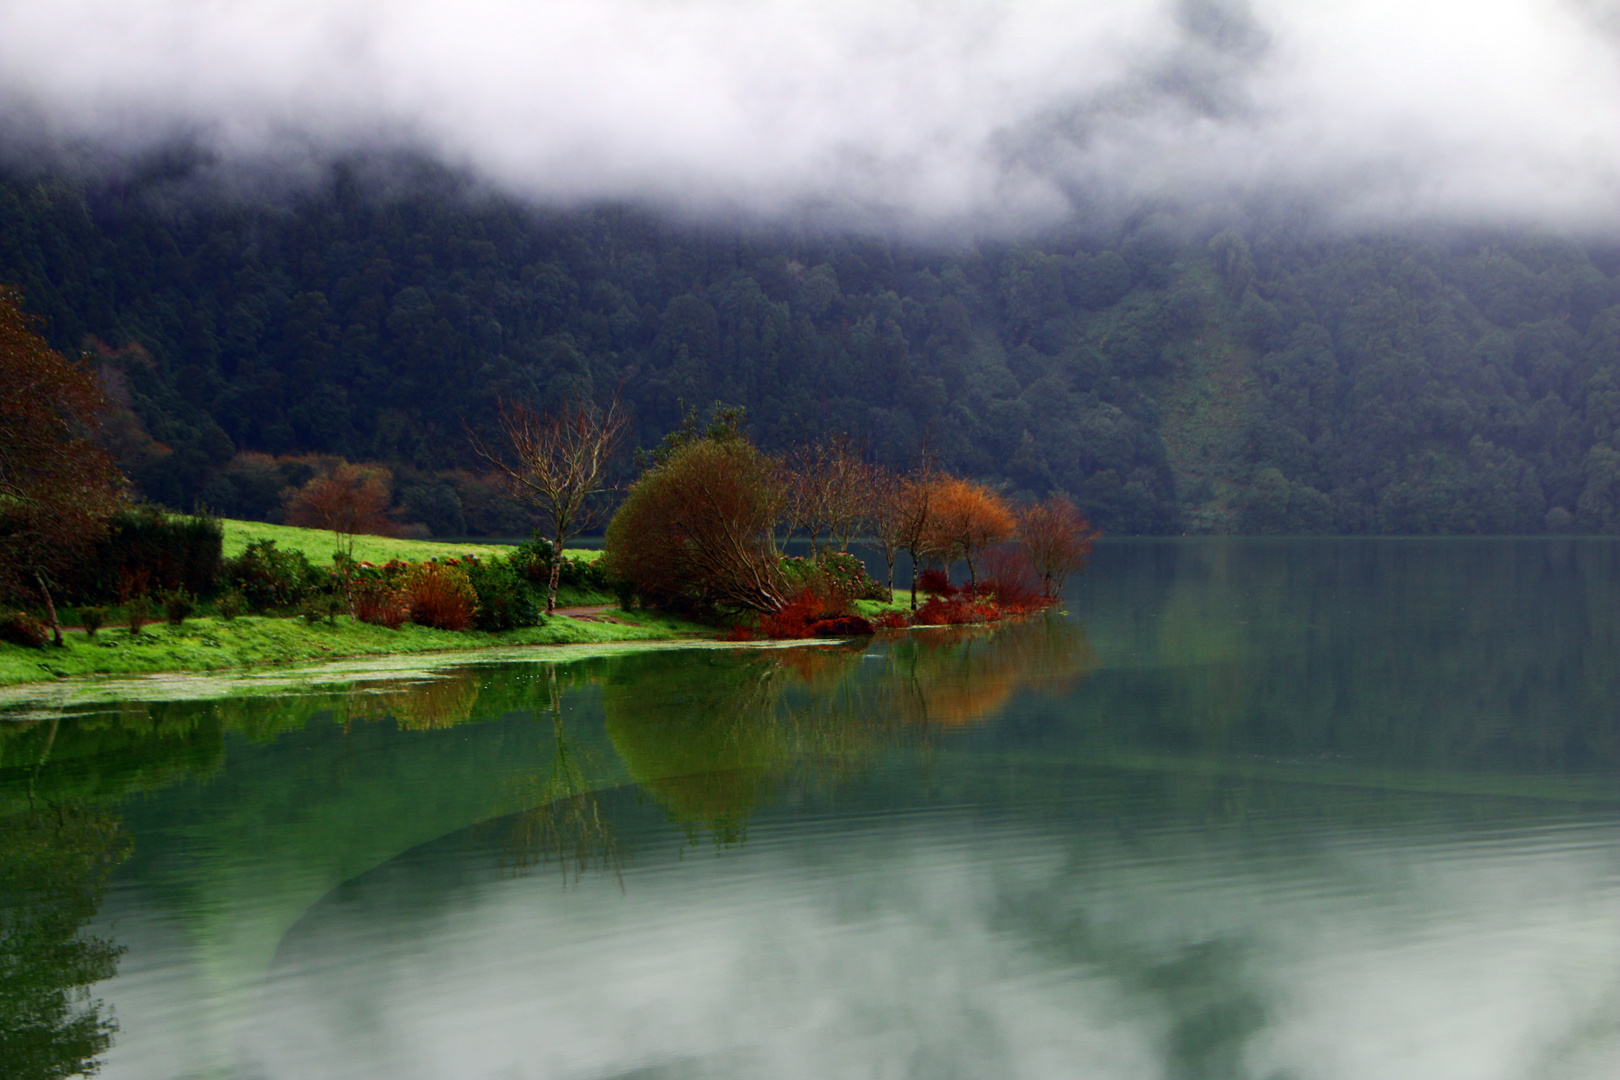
<point x="1170" y="382"/>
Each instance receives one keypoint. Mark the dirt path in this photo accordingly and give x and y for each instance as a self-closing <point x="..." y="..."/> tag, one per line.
<point x="585" y="614"/>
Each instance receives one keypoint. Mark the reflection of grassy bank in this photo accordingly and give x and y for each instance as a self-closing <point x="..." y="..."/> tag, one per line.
<point x="216" y="644"/>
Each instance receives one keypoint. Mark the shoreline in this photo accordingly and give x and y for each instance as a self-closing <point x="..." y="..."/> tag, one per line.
<point x="212" y="645"/>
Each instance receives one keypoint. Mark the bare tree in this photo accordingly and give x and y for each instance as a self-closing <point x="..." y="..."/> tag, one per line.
<point x="849" y="503"/>
<point x="888" y="516"/>
<point x="829" y="486"/>
<point x="915" y="527"/>
<point x="557" y="462"/>
<point x="804" y="475"/>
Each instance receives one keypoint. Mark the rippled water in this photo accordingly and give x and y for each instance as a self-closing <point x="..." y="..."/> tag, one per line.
<point x="1269" y="809"/>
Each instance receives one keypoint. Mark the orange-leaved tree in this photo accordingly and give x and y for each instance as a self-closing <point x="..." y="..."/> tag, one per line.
<point x="57" y="488"/>
<point x="1058" y="539"/>
<point x="348" y="500"/>
<point x="966" y="518"/>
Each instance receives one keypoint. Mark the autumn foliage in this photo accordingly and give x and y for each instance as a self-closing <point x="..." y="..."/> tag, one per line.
<point x="57" y="488"/>
<point x="377" y="601"/>
<point x="348" y="500"/>
<point x="697" y="530"/>
<point x="965" y="519"/>
<point x="439" y="596"/>
<point x="1058" y="540"/>
<point x="700" y="531"/>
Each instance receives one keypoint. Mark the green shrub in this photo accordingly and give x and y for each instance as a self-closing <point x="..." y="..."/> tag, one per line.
<point x="848" y="575"/>
<point x="505" y="599"/>
<point x="138" y="610"/>
<point x="312" y="609"/>
<point x="532" y="561"/>
<point x="178" y="605"/>
<point x="832" y="574"/>
<point x="230" y="605"/>
<point x="21" y="628"/>
<point x="92" y="618"/>
<point x="268" y="577"/>
<point x="147" y="549"/>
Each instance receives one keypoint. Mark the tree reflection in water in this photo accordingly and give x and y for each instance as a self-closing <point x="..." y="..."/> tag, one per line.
<point x="565" y="825"/>
<point x="442" y="701"/>
<point x="54" y="862"/>
<point x="712" y="736"/>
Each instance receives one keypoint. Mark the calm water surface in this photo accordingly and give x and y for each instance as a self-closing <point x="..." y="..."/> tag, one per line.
<point x="1270" y="809"/>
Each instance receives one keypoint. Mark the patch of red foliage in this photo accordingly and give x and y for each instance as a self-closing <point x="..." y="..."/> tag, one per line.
<point x="935" y="582"/>
<point x="799" y="618"/>
<point x="374" y="602"/>
<point x="956" y="611"/>
<point x="738" y="633"/>
<point x="891" y="620"/>
<point x="842" y="626"/>
<point x="440" y="596"/>
<point x="1011" y="579"/>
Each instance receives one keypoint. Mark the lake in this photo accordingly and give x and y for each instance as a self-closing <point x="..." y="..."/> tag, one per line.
<point x="1279" y="809"/>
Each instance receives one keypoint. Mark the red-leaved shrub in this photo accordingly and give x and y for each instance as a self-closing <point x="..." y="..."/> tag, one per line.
<point x="738" y="633"/>
<point x="376" y="603"/>
<point x="956" y="611"/>
<point x="439" y="596"/>
<point x="935" y="582"/>
<point x="796" y="619"/>
<point x="890" y="620"/>
<point x="21" y="628"/>
<point x="1009" y="577"/>
<point x="792" y="621"/>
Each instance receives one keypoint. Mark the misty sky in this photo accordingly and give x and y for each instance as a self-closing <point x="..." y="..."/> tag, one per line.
<point x="923" y="113"/>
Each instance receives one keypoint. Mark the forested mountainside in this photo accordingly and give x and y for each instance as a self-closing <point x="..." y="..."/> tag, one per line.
<point x="1170" y="379"/>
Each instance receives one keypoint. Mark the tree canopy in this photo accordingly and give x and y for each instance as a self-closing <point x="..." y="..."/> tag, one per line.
<point x="57" y="488"/>
<point x="1167" y="375"/>
<point x="698" y="530"/>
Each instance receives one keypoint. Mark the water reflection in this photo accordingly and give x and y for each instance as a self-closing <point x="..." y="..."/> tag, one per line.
<point x="711" y="737"/>
<point x="1273" y="810"/>
<point x="565" y="823"/>
<point x="54" y="863"/>
<point x="957" y="945"/>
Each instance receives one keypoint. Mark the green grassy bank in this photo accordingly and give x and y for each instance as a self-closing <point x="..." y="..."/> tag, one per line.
<point x="210" y="643"/>
<point x="318" y="545"/>
<point x="213" y="644"/>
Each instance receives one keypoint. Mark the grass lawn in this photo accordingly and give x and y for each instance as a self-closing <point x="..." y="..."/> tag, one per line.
<point x="318" y="545"/>
<point x="213" y="644"/>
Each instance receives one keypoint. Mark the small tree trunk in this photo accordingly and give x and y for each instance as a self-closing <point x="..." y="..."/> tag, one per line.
<point x="889" y="559"/>
<point x="50" y="608"/>
<point x="556" y="574"/>
<point x="913" y="553"/>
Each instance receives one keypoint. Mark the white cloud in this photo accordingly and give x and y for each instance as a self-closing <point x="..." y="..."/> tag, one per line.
<point x="930" y="113"/>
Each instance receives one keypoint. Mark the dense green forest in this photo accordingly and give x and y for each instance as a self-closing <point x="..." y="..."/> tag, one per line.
<point x="1171" y="378"/>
